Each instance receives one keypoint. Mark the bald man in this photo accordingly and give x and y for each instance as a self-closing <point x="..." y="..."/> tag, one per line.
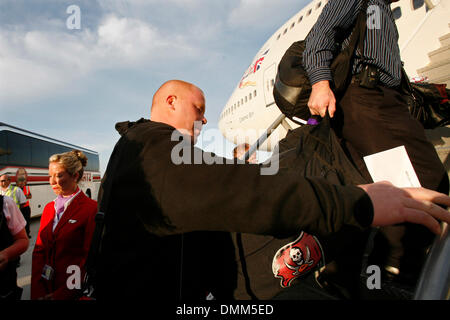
<point x="149" y="200"/>
<point x="181" y="105"/>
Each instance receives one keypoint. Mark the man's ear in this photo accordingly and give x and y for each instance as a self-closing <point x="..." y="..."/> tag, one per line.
<point x="171" y="101"/>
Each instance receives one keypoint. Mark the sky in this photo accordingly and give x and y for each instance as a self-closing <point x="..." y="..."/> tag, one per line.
<point x="73" y="74"/>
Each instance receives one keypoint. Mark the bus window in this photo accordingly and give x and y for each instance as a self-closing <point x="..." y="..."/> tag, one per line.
<point x="39" y="153"/>
<point x="20" y="151"/>
<point x="56" y="149"/>
<point x="3" y="148"/>
<point x="93" y="162"/>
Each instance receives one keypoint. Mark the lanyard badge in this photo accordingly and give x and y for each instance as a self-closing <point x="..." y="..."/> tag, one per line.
<point x="47" y="272"/>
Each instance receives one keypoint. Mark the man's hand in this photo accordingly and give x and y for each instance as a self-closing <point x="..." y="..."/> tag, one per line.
<point x="322" y="99"/>
<point x="394" y="205"/>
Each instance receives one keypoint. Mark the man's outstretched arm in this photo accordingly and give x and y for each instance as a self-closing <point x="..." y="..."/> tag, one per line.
<point x="393" y="205"/>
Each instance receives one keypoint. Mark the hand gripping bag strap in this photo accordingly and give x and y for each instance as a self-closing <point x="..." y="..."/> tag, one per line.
<point x="292" y="87"/>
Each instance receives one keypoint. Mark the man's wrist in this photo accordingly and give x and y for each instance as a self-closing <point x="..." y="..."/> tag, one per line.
<point x="320" y="74"/>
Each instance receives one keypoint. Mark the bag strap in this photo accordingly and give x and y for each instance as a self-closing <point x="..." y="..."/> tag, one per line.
<point x="90" y="278"/>
<point x="343" y="62"/>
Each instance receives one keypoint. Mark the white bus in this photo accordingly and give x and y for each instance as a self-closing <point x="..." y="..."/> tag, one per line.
<point x="20" y="148"/>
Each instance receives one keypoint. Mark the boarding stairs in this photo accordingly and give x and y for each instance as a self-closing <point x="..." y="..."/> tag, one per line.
<point x="438" y="69"/>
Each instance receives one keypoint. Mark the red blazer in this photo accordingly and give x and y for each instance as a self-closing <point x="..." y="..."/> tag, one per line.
<point x="67" y="245"/>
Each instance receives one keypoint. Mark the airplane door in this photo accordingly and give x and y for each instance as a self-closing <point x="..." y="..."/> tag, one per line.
<point x="269" y="81"/>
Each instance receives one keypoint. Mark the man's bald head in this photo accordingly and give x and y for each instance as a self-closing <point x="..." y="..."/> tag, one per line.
<point x="179" y="104"/>
<point x="168" y="88"/>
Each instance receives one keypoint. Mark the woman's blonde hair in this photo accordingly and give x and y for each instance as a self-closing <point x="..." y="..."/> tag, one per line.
<point x="73" y="161"/>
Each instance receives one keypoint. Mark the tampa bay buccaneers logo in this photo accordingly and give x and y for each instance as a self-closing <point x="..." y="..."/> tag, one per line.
<point x="297" y="258"/>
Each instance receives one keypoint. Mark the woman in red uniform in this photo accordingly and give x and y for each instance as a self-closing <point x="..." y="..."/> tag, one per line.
<point x="65" y="232"/>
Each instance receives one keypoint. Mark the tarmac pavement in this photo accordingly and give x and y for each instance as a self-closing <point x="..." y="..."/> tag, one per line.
<point x="24" y="270"/>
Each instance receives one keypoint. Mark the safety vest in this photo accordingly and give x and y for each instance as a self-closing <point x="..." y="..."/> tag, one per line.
<point x="12" y="192"/>
<point x="26" y="191"/>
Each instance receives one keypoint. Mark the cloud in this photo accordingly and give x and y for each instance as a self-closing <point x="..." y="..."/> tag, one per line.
<point x="126" y="40"/>
<point x="38" y="62"/>
<point x="258" y="14"/>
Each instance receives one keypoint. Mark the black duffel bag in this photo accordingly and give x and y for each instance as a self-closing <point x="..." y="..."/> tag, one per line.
<point x="429" y="103"/>
<point x="314" y="151"/>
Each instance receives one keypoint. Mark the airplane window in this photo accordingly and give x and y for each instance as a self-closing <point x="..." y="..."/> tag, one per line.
<point x="245" y="99"/>
<point x="318" y="5"/>
<point x="279" y="36"/>
<point x="285" y="30"/>
<point x="397" y="13"/>
<point x="250" y="96"/>
<point x="292" y="25"/>
<point x="238" y="103"/>
<point x="417" y="4"/>
<point x="242" y="101"/>
<point x="272" y="82"/>
<point x="254" y="93"/>
<point x="309" y="12"/>
<point x="300" y="19"/>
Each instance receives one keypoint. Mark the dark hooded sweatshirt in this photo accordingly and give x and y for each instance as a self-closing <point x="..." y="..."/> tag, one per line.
<point x="150" y="201"/>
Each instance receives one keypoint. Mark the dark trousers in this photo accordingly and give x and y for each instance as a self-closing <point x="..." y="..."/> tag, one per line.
<point x="26" y="212"/>
<point x="374" y="120"/>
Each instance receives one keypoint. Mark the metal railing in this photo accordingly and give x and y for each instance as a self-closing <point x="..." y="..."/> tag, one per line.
<point x="264" y="136"/>
<point x="434" y="282"/>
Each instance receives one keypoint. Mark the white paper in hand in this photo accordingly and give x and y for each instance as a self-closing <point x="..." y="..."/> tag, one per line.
<point x="392" y="165"/>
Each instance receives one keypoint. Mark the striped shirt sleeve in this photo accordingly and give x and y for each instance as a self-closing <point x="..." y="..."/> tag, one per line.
<point x="380" y="44"/>
<point x="321" y="42"/>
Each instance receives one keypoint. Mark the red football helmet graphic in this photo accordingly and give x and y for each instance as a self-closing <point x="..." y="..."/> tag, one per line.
<point x="297" y="258"/>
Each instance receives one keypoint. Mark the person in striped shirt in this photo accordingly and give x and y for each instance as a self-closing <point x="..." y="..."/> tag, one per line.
<point x="373" y="118"/>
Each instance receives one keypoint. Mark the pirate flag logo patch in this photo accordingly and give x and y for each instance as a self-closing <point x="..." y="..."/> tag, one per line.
<point x="297" y="258"/>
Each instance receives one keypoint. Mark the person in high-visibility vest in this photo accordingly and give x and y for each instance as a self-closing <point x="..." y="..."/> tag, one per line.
<point x="7" y="189"/>
<point x="26" y="210"/>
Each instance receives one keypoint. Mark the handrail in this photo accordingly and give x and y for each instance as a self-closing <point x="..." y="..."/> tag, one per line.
<point x="434" y="282"/>
<point x="264" y="136"/>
